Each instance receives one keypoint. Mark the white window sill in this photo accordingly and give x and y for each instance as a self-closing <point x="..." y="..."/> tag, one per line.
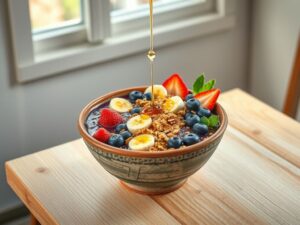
<point x="76" y="57"/>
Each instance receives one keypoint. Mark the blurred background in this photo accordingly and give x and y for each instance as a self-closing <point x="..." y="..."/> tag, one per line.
<point x="61" y="11"/>
<point x="256" y="54"/>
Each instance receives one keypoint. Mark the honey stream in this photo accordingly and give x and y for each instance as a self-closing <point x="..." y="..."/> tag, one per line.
<point x="155" y="109"/>
<point x="151" y="53"/>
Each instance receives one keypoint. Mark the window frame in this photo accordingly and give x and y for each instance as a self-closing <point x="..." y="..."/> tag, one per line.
<point x="103" y="36"/>
<point x="163" y="13"/>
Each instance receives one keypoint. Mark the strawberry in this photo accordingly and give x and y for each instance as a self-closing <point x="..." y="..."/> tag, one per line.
<point x="102" y="135"/>
<point x="175" y="86"/>
<point x="208" y="98"/>
<point x="109" y="118"/>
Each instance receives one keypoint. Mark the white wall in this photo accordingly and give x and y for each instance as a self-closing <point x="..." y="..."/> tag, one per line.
<point x="275" y="30"/>
<point x="42" y="114"/>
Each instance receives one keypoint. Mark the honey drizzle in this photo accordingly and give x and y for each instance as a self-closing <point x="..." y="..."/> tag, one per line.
<point x="151" y="53"/>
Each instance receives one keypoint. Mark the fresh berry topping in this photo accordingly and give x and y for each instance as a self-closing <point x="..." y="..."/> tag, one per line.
<point x="116" y="140"/>
<point x="203" y="112"/>
<point x="176" y="86"/>
<point x="209" y="98"/>
<point x="126" y="134"/>
<point x="126" y="116"/>
<point x="134" y="95"/>
<point x="193" y="104"/>
<point x="187" y="115"/>
<point x="189" y="96"/>
<point x="109" y="118"/>
<point x="102" y="135"/>
<point x="174" y="142"/>
<point x="191" y="120"/>
<point x="136" y="110"/>
<point x="147" y="96"/>
<point x="200" y="129"/>
<point x="190" y="139"/>
<point x="120" y="127"/>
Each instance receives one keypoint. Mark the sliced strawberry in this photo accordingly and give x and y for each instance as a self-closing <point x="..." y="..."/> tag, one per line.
<point x="208" y="98"/>
<point x="176" y="86"/>
<point x="109" y="118"/>
<point x="102" y="135"/>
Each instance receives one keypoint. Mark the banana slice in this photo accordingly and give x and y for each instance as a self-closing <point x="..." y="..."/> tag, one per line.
<point x="141" y="142"/>
<point x="173" y="104"/>
<point x="159" y="91"/>
<point x="138" y="122"/>
<point x="120" y="105"/>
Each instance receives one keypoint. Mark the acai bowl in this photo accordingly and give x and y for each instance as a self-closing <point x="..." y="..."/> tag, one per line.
<point x="153" y="143"/>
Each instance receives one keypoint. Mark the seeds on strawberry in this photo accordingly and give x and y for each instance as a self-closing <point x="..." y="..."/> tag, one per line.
<point x="209" y="98"/>
<point x="176" y="86"/>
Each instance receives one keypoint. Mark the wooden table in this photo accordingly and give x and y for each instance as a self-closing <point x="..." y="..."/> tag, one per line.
<point x="252" y="178"/>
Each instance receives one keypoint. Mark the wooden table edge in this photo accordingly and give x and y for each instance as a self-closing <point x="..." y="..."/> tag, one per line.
<point x="31" y="201"/>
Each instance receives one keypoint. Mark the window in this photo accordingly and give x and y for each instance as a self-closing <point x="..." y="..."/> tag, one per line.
<point x="83" y="32"/>
<point x="59" y="14"/>
<point x="129" y="5"/>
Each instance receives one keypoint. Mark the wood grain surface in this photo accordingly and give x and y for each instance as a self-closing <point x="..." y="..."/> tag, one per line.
<point x="243" y="183"/>
<point x="252" y="178"/>
<point x="271" y="128"/>
<point x="66" y="185"/>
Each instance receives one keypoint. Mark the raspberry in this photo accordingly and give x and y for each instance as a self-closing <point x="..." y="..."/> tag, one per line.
<point x="102" y="135"/>
<point x="109" y="118"/>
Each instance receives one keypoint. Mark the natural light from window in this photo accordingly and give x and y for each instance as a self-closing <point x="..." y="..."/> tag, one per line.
<point x="53" y="14"/>
<point x="84" y="32"/>
<point x="134" y="4"/>
<point x="48" y="15"/>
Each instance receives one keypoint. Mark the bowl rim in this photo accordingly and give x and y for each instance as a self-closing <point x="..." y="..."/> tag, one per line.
<point x="143" y="154"/>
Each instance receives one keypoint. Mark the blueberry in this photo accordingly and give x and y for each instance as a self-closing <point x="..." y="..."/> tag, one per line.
<point x="200" y="129"/>
<point x="174" y="142"/>
<point x="126" y="134"/>
<point x="204" y="112"/>
<point x="189" y="96"/>
<point x="191" y="120"/>
<point x="136" y="110"/>
<point x="134" y="95"/>
<point x="193" y="104"/>
<point x="147" y="96"/>
<point x="126" y="115"/>
<point x="190" y="139"/>
<point x="120" y="127"/>
<point x="187" y="115"/>
<point x="116" y="140"/>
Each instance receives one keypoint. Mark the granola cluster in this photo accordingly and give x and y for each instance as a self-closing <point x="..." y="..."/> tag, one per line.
<point x="164" y="125"/>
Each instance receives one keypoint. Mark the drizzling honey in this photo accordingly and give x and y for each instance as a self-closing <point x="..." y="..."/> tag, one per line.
<point x="151" y="53"/>
<point x="152" y="111"/>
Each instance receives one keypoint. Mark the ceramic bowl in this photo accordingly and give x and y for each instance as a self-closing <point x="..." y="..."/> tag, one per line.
<point x="150" y="172"/>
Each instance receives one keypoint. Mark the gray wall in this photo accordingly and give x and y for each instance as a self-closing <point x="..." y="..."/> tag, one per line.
<point x="275" y="30"/>
<point x="42" y="114"/>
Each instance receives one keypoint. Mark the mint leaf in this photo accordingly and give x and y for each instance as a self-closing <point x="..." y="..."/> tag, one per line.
<point x="198" y="84"/>
<point x="208" y="85"/>
<point x="213" y="121"/>
<point x="204" y="120"/>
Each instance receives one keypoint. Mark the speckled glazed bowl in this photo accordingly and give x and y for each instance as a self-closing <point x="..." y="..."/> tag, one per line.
<point x="150" y="172"/>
